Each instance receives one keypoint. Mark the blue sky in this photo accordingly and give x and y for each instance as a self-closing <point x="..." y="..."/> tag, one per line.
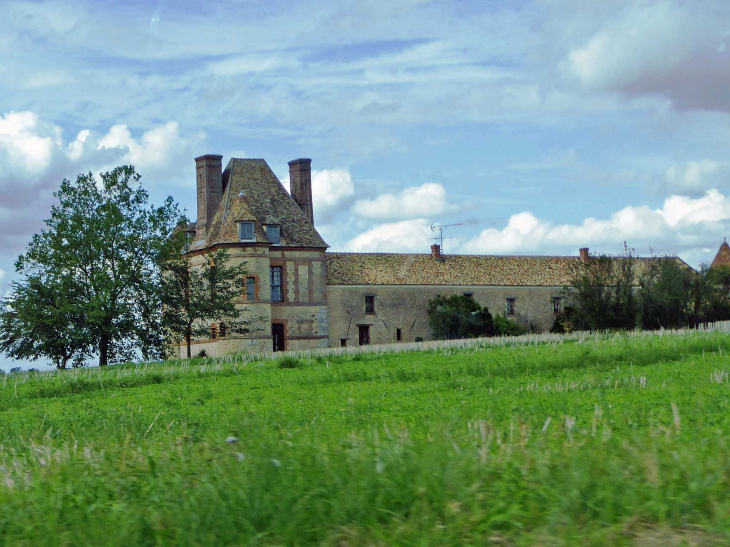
<point x="541" y="126"/>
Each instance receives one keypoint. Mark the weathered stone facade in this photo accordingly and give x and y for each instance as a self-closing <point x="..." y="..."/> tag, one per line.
<point x="333" y="299"/>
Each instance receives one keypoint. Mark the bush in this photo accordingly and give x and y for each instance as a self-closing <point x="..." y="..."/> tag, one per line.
<point x="419" y="338"/>
<point x="202" y="353"/>
<point x="507" y="327"/>
<point x="458" y="316"/>
<point x="290" y="362"/>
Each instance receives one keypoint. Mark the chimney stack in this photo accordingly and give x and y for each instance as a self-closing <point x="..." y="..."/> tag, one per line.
<point x="436" y="251"/>
<point x="300" y="180"/>
<point x="584" y="254"/>
<point x="209" y="176"/>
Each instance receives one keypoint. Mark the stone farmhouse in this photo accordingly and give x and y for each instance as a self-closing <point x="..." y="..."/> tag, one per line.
<point x="307" y="297"/>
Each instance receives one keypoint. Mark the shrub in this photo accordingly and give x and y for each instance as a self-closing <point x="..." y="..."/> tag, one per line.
<point x="507" y="327"/>
<point x="458" y="316"/>
<point x="202" y="353"/>
<point x="289" y="362"/>
<point x="419" y="338"/>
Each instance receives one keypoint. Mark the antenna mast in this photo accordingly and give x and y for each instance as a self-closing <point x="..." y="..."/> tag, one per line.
<point x="440" y="229"/>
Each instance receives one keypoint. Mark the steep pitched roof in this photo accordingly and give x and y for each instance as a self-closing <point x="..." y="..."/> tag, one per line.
<point x="423" y="269"/>
<point x="722" y="258"/>
<point x="252" y="192"/>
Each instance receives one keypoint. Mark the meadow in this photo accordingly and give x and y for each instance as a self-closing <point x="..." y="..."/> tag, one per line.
<point x="613" y="439"/>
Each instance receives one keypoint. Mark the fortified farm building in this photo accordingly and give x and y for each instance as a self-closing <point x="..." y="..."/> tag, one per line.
<point x="307" y="297"/>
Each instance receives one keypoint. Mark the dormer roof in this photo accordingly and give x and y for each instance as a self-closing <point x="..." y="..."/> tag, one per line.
<point x="722" y="258"/>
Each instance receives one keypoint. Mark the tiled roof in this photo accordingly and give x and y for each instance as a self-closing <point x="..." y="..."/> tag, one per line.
<point x="252" y="192"/>
<point x="423" y="269"/>
<point x="722" y="258"/>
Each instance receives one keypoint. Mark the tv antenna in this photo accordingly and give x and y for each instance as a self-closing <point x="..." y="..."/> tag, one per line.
<point x="440" y="238"/>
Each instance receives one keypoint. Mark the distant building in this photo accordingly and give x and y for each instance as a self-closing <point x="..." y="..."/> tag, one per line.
<point x="306" y="297"/>
<point x="722" y="258"/>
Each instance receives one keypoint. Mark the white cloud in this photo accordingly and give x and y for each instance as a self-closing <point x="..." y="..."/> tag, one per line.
<point x="415" y="202"/>
<point x="682" y="224"/>
<point x="23" y="144"/>
<point x="697" y="176"/>
<point x="662" y="47"/>
<point x="330" y="187"/>
<point x="405" y="236"/>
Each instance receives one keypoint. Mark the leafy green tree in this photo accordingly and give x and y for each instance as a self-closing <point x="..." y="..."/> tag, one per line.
<point x="711" y="294"/>
<point x="458" y="316"/>
<point x="666" y="297"/>
<point x="105" y="242"/>
<point x="195" y="296"/>
<point x="602" y="295"/>
<point x="42" y="319"/>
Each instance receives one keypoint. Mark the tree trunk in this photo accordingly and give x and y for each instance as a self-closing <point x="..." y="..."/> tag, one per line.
<point x="187" y="339"/>
<point x="104" y="350"/>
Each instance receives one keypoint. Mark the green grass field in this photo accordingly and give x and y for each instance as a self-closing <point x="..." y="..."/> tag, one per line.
<point x="604" y="440"/>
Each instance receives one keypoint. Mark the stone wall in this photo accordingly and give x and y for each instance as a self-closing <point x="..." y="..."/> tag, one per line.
<point x="303" y="311"/>
<point x="404" y="307"/>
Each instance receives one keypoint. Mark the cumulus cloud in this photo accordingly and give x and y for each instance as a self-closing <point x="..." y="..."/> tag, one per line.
<point x="682" y="224"/>
<point x="332" y="191"/>
<point x="35" y="157"/>
<point x="406" y="236"/>
<point x="668" y="48"/>
<point x="414" y="202"/>
<point x="697" y="176"/>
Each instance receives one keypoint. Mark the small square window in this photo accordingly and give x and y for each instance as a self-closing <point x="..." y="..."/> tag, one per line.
<point x="250" y="289"/>
<point x="245" y="231"/>
<point x="369" y="303"/>
<point x="274" y="234"/>
<point x="468" y="294"/>
<point x="509" y="307"/>
<point x="343" y="342"/>
<point x="557" y="304"/>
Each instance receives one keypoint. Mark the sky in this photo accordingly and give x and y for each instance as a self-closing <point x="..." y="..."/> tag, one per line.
<point x="537" y="126"/>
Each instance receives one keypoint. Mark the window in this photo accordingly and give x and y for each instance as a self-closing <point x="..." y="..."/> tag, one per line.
<point x="509" y="307"/>
<point x="276" y="292"/>
<point x="213" y="332"/>
<point x="188" y="241"/>
<point x="369" y="303"/>
<point x="468" y="294"/>
<point x="343" y="342"/>
<point x="274" y="234"/>
<point x="223" y="330"/>
<point x="250" y="289"/>
<point x="557" y="304"/>
<point x="398" y="335"/>
<point x="245" y="231"/>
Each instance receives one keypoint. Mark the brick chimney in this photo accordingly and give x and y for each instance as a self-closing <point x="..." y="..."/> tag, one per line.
<point x="436" y="251"/>
<point x="584" y="254"/>
<point x="209" y="177"/>
<point x="300" y="180"/>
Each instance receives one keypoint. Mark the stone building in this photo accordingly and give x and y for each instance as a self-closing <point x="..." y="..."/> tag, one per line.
<point x="305" y="297"/>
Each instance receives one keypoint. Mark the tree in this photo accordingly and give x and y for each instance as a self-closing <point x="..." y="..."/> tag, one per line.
<point x="106" y="244"/>
<point x="602" y="295"/>
<point x="458" y="316"/>
<point x="42" y="319"/>
<point x="195" y="296"/>
<point x="666" y="297"/>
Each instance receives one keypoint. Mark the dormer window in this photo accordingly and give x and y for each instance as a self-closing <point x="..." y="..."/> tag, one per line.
<point x="188" y="241"/>
<point x="245" y="231"/>
<point x="273" y="232"/>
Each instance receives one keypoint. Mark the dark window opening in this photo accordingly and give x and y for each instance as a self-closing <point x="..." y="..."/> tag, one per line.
<point x="250" y="289"/>
<point x="274" y="234"/>
<point x="509" y="308"/>
<point x="364" y="335"/>
<point x="277" y="294"/>
<point x="398" y="334"/>
<point x="369" y="304"/>
<point x="343" y="342"/>
<point x="469" y="294"/>
<point x="223" y="330"/>
<point x="277" y="336"/>
<point x="557" y="305"/>
<point x="245" y="231"/>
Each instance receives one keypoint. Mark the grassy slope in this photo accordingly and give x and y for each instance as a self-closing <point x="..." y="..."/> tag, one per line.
<point x="449" y="447"/>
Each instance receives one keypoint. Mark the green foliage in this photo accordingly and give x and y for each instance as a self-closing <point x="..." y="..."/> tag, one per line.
<point x="458" y="316"/>
<point x="418" y="339"/>
<point x="616" y="440"/>
<point x="195" y="296"/>
<point x="667" y="295"/>
<point x="96" y="268"/>
<point x="504" y="326"/>
<point x="603" y="293"/>
<point x="289" y="362"/>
